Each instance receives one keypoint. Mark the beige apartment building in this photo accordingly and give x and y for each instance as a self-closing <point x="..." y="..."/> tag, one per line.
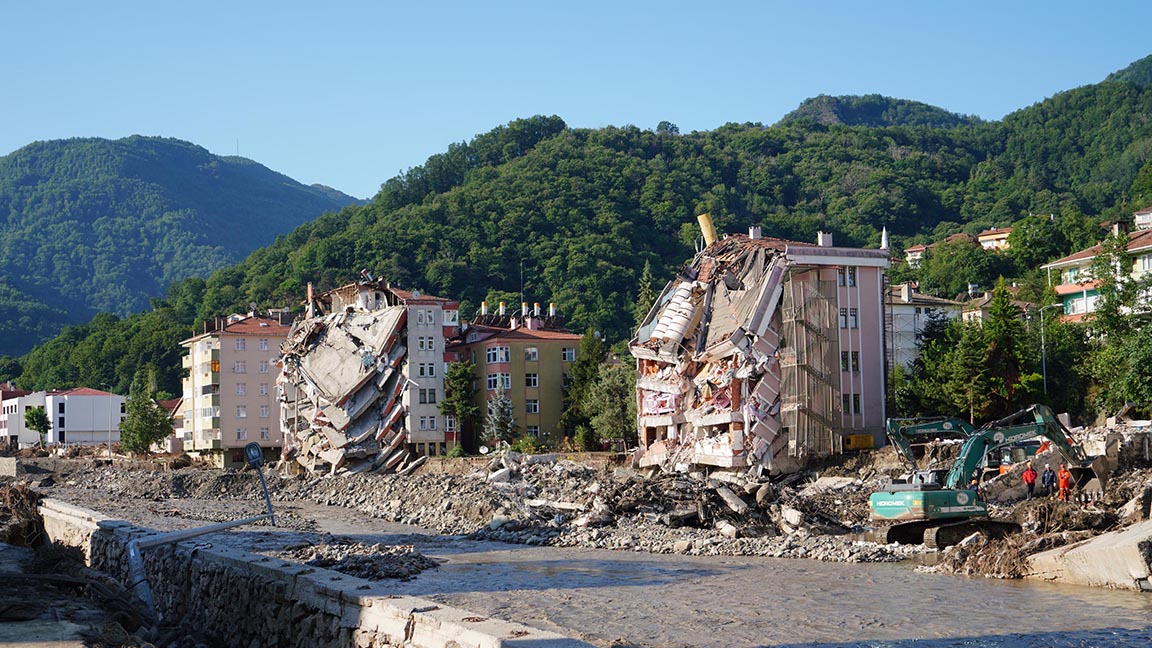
<point x="230" y="391"/>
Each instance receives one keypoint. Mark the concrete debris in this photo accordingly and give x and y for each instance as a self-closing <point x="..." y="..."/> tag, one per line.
<point x="343" y="378"/>
<point x="373" y="562"/>
<point x="740" y="360"/>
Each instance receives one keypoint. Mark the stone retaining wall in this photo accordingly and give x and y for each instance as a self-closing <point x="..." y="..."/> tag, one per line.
<point x="238" y="598"/>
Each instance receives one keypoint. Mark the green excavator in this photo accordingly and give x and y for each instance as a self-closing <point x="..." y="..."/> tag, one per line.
<point x="940" y="508"/>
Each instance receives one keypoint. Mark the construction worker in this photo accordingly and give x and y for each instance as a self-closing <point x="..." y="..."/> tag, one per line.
<point x="1064" y="479"/>
<point x="1048" y="480"/>
<point x="1029" y="478"/>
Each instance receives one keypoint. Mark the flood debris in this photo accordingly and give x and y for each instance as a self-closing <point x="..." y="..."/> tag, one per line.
<point x="371" y="562"/>
<point x="345" y="373"/>
<point x="761" y="352"/>
<point x="346" y="385"/>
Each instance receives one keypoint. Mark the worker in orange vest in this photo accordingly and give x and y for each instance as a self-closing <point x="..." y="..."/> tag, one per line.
<point x="1029" y="478"/>
<point x="1064" y="480"/>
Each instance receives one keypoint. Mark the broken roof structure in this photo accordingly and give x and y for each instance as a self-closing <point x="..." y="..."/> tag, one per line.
<point x="762" y="351"/>
<point x="344" y="379"/>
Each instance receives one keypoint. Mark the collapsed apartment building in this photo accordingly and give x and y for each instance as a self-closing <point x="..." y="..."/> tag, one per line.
<point x="361" y="376"/>
<point x="763" y="352"/>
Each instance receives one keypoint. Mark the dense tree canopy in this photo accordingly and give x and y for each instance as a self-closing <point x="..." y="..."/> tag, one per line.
<point x="572" y="216"/>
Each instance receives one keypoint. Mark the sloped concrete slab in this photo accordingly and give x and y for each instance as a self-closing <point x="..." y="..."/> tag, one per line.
<point x="1118" y="560"/>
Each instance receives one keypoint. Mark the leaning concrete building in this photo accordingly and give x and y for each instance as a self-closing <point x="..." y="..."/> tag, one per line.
<point x="362" y="376"/>
<point x="763" y="352"/>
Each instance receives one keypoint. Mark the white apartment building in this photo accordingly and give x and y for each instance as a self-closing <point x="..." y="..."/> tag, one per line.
<point x="80" y="416"/>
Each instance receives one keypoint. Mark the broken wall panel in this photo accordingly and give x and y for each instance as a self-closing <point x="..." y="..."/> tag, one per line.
<point x="737" y="361"/>
<point x="346" y="371"/>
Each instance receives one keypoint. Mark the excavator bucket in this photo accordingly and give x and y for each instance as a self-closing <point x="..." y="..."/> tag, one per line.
<point x="1092" y="478"/>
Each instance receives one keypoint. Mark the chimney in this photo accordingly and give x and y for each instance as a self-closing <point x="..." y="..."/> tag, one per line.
<point x="483" y="308"/>
<point x="524" y="309"/>
<point x="884" y="238"/>
<point x="906" y="292"/>
<point x="754" y="232"/>
<point x="707" y="228"/>
<point x="824" y="239"/>
<point x="501" y="309"/>
<point x="551" y="309"/>
<point x="536" y="309"/>
<point x="972" y="288"/>
<point x="1115" y="229"/>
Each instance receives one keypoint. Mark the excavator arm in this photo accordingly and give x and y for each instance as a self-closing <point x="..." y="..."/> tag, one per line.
<point x="903" y="432"/>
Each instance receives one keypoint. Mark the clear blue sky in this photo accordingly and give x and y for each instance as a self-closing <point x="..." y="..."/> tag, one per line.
<point x="348" y="94"/>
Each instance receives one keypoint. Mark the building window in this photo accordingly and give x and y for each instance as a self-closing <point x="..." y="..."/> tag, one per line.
<point x="60" y="425"/>
<point x="431" y="422"/>
<point x="263" y="411"/>
<point x="843" y="361"/>
<point x="506" y="380"/>
<point x="263" y="389"/>
<point x="450" y="422"/>
<point x="265" y="433"/>
<point x="840" y="276"/>
<point x="534" y="431"/>
<point x="240" y="367"/>
<point x="856" y="403"/>
<point x="422" y="371"/>
<point x="241" y="344"/>
<point x="241" y="389"/>
<point x="853" y="319"/>
<point x="918" y="310"/>
<point x="566" y="381"/>
<point x="60" y="408"/>
<point x="843" y="318"/>
<point x="531" y="354"/>
<point x="846" y="403"/>
<point x="423" y="422"/>
<point x="1146" y="263"/>
<point x="493" y="381"/>
<point x="856" y="361"/>
<point x="568" y="354"/>
<point x="498" y="354"/>
<point x="851" y="276"/>
<point x="532" y="406"/>
<point x="263" y="344"/>
<point x="450" y="317"/>
<point x="420" y="318"/>
<point x="427" y="396"/>
<point x="241" y="434"/>
<point x="241" y="411"/>
<point x="263" y="366"/>
<point x="531" y="380"/>
<point x="430" y="316"/>
<point x="215" y="366"/>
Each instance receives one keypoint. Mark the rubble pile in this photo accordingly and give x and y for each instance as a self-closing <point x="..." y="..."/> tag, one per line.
<point x="373" y="562"/>
<point x="348" y="416"/>
<point x="19" y="518"/>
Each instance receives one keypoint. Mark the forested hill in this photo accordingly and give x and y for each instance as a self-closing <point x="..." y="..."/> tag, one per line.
<point x="96" y="225"/>
<point x="573" y="215"/>
<point x="874" y="110"/>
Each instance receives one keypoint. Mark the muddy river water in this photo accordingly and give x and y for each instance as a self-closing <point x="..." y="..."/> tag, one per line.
<point x="612" y="598"/>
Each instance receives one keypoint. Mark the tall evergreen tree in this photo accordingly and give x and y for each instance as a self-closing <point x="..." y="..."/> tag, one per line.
<point x="500" y="424"/>
<point x="459" y="397"/>
<point x="646" y="294"/>
<point x="585" y="371"/>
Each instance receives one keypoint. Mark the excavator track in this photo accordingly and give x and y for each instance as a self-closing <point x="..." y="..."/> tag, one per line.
<point x="946" y="535"/>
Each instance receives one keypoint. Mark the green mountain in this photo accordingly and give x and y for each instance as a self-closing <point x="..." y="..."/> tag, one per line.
<point x="1139" y="73"/>
<point x="874" y="110"/>
<point x="571" y="216"/>
<point x="93" y="225"/>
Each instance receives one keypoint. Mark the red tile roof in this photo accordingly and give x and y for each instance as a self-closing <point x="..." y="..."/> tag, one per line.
<point x="1138" y="240"/>
<point x="80" y="391"/>
<point x="994" y="232"/>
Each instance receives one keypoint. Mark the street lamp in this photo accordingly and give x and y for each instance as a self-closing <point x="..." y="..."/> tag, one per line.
<point x="110" y="404"/>
<point x="1043" y="351"/>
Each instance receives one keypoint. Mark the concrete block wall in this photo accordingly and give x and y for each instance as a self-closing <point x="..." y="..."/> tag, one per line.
<point x="238" y="598"/>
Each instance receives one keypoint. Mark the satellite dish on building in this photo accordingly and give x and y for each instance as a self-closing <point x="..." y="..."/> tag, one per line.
<point x="484" y="449"/>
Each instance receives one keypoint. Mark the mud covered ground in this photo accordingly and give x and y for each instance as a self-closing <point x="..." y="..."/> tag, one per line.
<point x="819" y="514"/>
